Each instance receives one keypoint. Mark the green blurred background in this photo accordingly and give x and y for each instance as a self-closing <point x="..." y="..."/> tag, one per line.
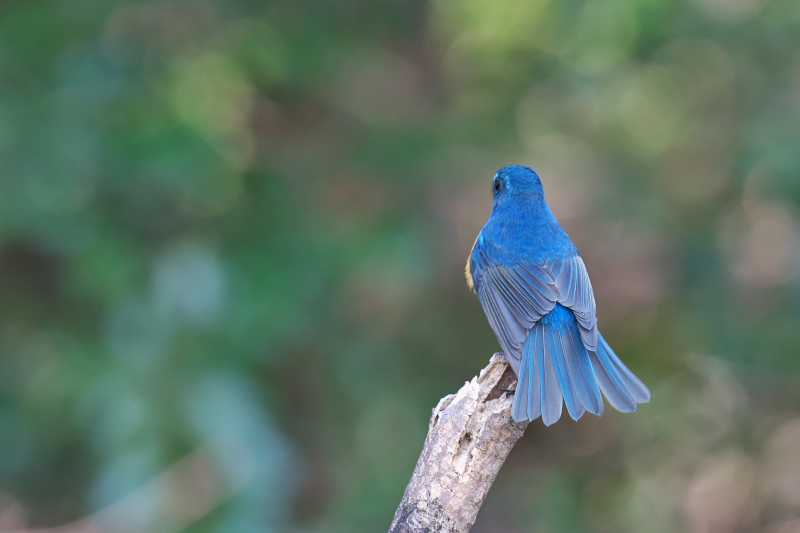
<point x="232" y="238"/>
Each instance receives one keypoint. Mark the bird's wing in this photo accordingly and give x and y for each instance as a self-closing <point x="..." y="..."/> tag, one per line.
<point x="576" y="294"/>
<point x="513" y="297"/>
<point x="516" y="297"/>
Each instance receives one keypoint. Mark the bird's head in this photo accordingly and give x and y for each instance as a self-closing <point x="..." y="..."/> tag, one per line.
<point x="514" y="180"/>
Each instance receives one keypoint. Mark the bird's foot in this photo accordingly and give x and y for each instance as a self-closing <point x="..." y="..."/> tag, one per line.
<point x="509" y="392"/>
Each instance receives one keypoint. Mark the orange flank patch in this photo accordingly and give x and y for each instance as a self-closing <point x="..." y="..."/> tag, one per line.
<point x="468" y="274"/>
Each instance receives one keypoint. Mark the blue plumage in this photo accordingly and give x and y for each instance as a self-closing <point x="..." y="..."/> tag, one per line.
<point x="534" y="288"/>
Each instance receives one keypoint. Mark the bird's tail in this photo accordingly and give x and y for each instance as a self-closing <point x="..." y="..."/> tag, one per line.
<point x="619" y="385"/>
<point x="556" y="367"/>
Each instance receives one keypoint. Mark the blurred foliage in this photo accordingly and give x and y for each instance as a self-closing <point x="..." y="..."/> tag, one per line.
<point x="239" y="227"/>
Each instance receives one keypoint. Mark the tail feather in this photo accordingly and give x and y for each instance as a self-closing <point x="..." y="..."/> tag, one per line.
<point x="538" y="392"/>
<point x="620" y="386"/>
<point x="557" y="369"/>
<point x="614" y="389"/>
<point x="527" y="399"/>
<point x="552" y="399"/>
<point x="582" y="373"/>
<point x="562" y="354"/>
<point x="638" y="390"/>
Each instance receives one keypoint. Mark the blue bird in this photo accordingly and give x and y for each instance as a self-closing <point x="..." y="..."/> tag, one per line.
<point x="536" y="293"/>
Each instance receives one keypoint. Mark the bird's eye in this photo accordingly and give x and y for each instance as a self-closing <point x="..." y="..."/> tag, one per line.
<point x="496" y="186"/>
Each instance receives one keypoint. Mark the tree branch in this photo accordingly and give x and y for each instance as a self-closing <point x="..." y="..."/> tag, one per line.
<point x="469" y="437"/>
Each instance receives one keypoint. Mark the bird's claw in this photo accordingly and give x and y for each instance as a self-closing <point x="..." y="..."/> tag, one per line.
<point x="509" y="392"/>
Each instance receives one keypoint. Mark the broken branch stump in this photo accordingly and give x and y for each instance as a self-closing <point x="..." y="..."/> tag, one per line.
<point x="469" y="437"/>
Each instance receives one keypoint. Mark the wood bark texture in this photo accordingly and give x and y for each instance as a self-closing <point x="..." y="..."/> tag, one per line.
<point x="470" y="434"/>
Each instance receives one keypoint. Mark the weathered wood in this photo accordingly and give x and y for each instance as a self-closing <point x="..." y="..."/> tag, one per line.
<point x="469" y="437"/>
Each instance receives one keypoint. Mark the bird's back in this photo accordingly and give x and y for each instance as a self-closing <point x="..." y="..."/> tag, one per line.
<point x="522" y="232"/>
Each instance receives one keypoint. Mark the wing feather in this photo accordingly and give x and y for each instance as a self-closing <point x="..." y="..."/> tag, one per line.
<point x="576" y="294"/>
<point x="517" y="297"/>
